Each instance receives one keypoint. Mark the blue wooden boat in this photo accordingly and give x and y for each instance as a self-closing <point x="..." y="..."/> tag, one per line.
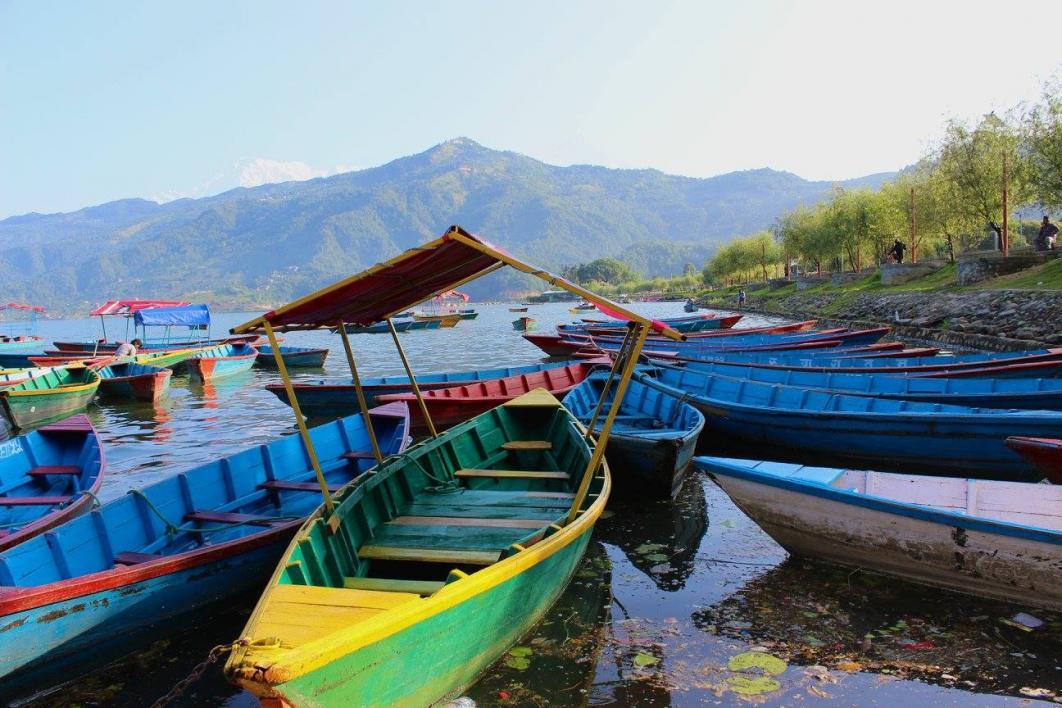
<point x="301" y="357"/>
<point x="173" y="547"/>
<point x="819" y="361"/>
<point x="652" y="440"/>
<point x="880" y="433"/>
<point x="132" y="381"/>
<point x="330" y="398"/>
<point x="755" y="342"/>
<point x="47" y="477"/>
<point x="400" y="326"/>
<point x="18" y="360"/>
<point x="1030" y="393"/>
<point x="994" y="539"/>
<point x="223" y="360"/>
<point x="694" y="323"/>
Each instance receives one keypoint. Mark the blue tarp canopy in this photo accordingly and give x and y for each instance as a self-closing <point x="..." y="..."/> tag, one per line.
<point x="186" y="316"/>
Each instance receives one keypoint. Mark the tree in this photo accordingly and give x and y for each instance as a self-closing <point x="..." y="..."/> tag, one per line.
<point x="602" y="270"/>
<point x="971" y="164"/>
<point x="1042" y="142"/>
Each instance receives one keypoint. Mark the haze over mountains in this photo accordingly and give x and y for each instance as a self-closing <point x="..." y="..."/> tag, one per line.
<point x="263" y="245"/>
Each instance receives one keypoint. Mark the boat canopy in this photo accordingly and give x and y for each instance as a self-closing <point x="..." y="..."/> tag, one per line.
<point x="184" y="316"/>
<point x="130" y="307"/>
<point x="417" y="275"/>
<point x="20" y="306"/>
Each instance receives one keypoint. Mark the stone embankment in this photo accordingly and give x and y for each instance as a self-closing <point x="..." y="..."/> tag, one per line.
<point x="984" y="319"/>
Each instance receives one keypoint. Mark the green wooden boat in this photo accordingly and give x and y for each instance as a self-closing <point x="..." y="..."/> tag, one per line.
<point x="429" y="568"/>
<point x="57" y="393"/>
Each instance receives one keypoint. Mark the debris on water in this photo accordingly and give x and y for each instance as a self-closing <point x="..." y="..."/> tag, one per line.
<point x="1036" y="692"/>
<point x="749" y="686"/>
<point x="643" y="659"/>
<point x="462" y="702"/>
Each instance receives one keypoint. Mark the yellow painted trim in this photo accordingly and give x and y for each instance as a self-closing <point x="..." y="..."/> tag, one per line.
<point x="297" y="661"/>
<point x="75" y="388"/>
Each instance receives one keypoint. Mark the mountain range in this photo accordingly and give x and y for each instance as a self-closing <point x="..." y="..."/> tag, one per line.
<point x="256" y="247"/>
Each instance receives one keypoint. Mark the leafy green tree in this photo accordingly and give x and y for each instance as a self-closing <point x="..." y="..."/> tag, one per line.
<point x="1042" y="138"/>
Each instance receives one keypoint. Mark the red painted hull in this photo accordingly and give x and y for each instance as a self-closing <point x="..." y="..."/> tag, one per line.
<point x="142" y="387"/>
<point x="552" y="344"/>
<point x="456" y="404"/>
<point x="1044" y="453"/>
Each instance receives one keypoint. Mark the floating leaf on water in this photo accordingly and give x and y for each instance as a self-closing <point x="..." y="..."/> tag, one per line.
<point x="657" y="557"/>
<point x="517" y="662"/>
<point x="757" y="660"/>
<point x="748" y="686"/>
<point x="818" y="692"/>
<point x="648" y="548"/>
<point x="521" y="651"/>
<point x="849" y="666"/>
<point x="643" y="659"/>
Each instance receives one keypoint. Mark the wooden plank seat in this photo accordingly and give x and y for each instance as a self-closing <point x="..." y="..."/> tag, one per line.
<point x="444" y="510"/>
<point x="134" y="558"/>
<point x="282" y="485"/>
<point x="483" y="499"/>
<point x="73" y="424"/>
<point x="450" y="556"/>
<point x="33" y="501"/>
<point x="447" y="537"/>
<point x="416" y="587"/>
<point x="471" y="521"/>
<point x="42" y="470"/>
<point x="514" y="474"/>
<point x="527" y="445"/>
<point x="225" y="517"/>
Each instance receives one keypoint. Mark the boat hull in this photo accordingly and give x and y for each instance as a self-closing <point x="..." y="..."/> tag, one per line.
<point x="120" y="609"/>
<point x="25" y="408"/>
<point x="463" y="639"/>
<point x="140" y="387"/>
<point x="293" y="358"/>
<point x="1045" y="453"/>
<point x="870" y="536"/>
<point x="654" y="467"/>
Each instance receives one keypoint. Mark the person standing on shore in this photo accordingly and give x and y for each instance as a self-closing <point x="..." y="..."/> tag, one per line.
<point x="1045" y="240"/>
<point x="741" y="297"/>
<point x="897" y="250"/>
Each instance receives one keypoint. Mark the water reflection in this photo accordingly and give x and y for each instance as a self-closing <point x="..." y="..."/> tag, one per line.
<point x="660" y="538"/>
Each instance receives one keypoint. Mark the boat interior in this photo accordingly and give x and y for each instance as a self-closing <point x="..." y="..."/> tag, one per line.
<point x="644" y="410"/>
<point x="256" y="489"/>
<point x="489" y="489"/>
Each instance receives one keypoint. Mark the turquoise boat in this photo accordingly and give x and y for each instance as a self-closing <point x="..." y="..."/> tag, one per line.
<point x="223" y="360"/>
<point x="294" y="357"/>
<point x="132" y="381"/>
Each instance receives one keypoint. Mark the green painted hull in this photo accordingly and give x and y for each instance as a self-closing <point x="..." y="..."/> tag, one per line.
<point x="461" y="642"/>
<point x="46" y="405"/>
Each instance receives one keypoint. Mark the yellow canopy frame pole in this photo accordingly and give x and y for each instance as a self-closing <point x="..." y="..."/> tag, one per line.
<point x="360" y="392"/>
<point x="412" y="379"/>
<point x="606" y="429"/>
<point x="299" y="421"/>
<point x="627" y="340"/>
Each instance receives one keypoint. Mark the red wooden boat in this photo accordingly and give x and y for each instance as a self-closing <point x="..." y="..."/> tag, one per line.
<point x="553" y="344"/>
<point x="1044" y="453"/>
<point x="725" y="323"/>
<point x="450" y="406"/>
<point x="50" y="475"/>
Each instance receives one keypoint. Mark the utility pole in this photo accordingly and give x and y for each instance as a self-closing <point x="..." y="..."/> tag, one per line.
<point x="1006" y="233"/>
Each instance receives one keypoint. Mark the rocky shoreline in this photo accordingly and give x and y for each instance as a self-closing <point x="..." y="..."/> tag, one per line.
<point x="999" y="320"/>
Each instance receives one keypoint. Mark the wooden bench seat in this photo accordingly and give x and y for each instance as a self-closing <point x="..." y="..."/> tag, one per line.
<point x="224" y="517"/>
<point x="514" y="474"/>
<point x="33" y="501"/>
<point x="450" y="556"/>
<point x="417" y="587"/>
<point x="527" y="445"/>
<point x="471" y="521"/>
<point x="134" y="558"/>
<point x="42" y="470"/>
<point x="281" y="485"/>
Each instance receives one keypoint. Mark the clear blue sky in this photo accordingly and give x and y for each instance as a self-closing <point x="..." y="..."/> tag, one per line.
<point x="104" y="100"/>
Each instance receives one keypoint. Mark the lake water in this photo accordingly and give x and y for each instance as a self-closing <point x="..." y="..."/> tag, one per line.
<point x="667" y="594"/>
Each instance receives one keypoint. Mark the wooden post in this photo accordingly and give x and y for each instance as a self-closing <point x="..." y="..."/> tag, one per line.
<point x="412" y="380"/>
<point x="914" y="231"/>
<point x="360" y="392"/>
<point x="1005" y="235"/>
<point x="606" y="429"/>
<point x="303" y="431"/>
